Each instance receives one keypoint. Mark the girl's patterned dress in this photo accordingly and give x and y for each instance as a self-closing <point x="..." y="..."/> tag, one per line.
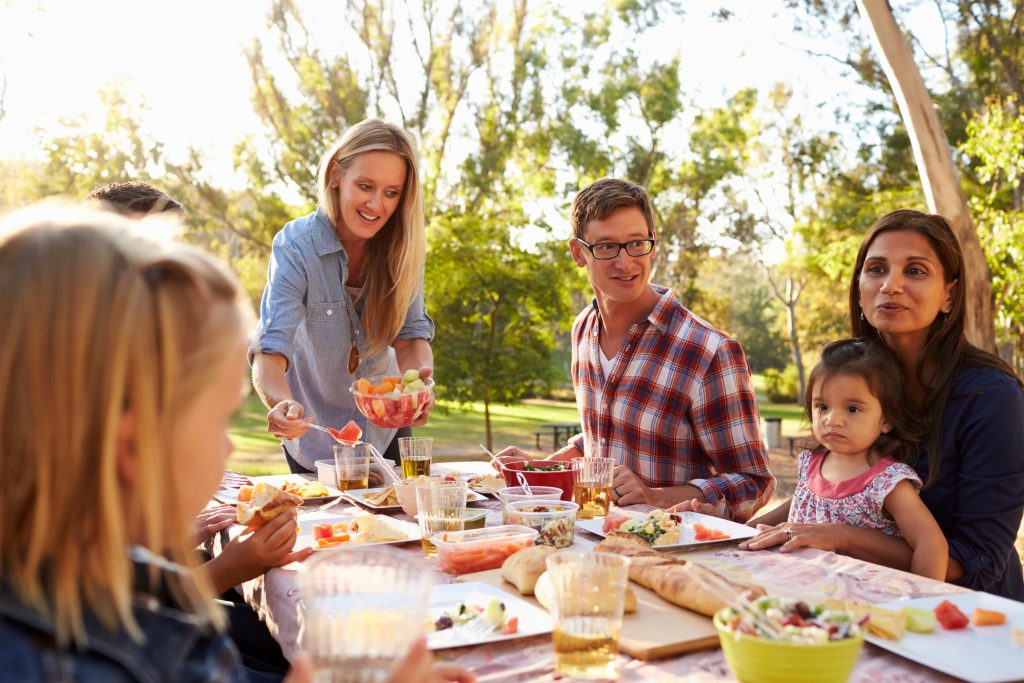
<point x="856" y="502"/>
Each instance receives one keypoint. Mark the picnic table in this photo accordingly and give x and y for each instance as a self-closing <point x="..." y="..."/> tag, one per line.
<point x="807" y="572"/>
<point x="560" y="433"/>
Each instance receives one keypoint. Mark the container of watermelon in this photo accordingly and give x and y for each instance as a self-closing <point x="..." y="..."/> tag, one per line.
<point x="392" y="401"/>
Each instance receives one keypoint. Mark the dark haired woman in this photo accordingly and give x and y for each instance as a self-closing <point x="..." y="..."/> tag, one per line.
<point x="907" y="291"/>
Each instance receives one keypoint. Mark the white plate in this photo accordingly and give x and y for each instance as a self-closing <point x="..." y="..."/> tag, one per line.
<point x="308" y="520"/>
<point x="532" y="620"/>
<point x="686" y="537"/>
<point x="981" y="654"/>
<point x="485" y="491"/>
<point x="230" y="496"/>
<point x="358" y="496"/>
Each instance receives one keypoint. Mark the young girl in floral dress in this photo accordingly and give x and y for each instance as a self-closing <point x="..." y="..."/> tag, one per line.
<point x="858" y="474"/>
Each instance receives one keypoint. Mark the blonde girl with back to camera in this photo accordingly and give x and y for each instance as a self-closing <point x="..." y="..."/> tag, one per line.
<point x="121" y="365"/>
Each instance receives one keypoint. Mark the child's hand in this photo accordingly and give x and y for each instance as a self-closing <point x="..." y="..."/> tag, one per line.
<point x="252" y="553"/>
<point x="794" y="536"/>
<point x="211" y="521"/>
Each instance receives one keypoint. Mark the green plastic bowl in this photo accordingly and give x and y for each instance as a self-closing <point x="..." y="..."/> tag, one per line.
<point x="756" y="660"/>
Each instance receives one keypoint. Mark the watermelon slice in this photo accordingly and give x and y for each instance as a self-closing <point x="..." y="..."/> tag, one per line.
<point x="350" y="433"/>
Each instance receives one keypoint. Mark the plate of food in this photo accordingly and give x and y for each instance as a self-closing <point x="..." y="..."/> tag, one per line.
<point x="488" y="484"/>
<point x="474" y="613"/>
<point x="311" y="492"/>
<point x="387" y="498"/>
<point x="669" y="530"/>
<point x="323" y="531"/>
<point x="976" y="636"/>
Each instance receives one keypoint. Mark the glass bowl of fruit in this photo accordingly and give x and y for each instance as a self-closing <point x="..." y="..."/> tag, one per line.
<point x="393" y="401"/>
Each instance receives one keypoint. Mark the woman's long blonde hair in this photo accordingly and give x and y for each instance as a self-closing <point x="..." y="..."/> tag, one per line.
<point x="396" y="255"/>
<point x="99" y="325"/>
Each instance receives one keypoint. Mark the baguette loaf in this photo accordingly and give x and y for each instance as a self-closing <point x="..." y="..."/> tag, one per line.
<point x="674" y="580"/>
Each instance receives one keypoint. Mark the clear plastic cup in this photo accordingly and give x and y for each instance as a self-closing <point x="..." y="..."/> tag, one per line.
<point x="592" y="485"/>
<point x="589" y="591"/>
<point x="415" y="453"/>
<point x="441" y="507"/>
<point x="353" y="464"/>
<point x="363" y="611"/>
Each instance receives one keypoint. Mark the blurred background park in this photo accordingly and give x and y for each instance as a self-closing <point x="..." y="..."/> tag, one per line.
<point x="766" y="130"/>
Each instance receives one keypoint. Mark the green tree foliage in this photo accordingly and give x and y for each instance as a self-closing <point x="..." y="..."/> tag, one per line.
<point x="995" y="141"/>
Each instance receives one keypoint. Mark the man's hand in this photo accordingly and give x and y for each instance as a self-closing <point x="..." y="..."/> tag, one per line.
<point x="696" y="506"/>
<point x="285" y="420"/>
<point x="627" y="489"/>
<point x="510" y="454"/>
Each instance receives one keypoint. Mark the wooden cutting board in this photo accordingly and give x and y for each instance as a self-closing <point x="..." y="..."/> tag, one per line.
<point x="656" y="630"/>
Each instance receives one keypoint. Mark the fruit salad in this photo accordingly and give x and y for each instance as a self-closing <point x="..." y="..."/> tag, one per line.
<point x="392" y="401"/>
<point x="794" y="620"/>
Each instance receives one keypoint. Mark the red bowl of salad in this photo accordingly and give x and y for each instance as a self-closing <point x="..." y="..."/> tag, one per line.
<point x="539" y="473"/>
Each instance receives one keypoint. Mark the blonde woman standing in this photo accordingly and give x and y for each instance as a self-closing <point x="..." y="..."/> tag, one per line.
<point x="344" y="294"/>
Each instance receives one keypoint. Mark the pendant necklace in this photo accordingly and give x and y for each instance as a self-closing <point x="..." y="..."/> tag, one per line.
<point x="353" y="353"/>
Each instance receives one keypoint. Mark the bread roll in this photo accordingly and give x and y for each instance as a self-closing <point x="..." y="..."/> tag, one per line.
<point x="522" y="568"/>
<point x="267" y="502"/>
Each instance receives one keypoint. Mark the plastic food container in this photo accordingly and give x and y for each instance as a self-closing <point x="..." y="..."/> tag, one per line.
<point x="327" y="473"/>
<point x="511" y="494"/>
<point x="392" y="410"/>
<point x="560" y="479"/>
<point x="465" y="552"/>
<point x="554" y="520"/>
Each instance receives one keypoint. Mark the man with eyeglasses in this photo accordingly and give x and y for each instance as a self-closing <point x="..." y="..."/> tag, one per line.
<point x="660" y="390"/>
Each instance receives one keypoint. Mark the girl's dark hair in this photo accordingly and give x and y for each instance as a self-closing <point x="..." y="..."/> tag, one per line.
<point x="877" y="366"/>
<point x="947" y="349"/>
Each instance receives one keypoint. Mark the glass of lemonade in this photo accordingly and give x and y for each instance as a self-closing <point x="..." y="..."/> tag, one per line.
<point x="441" y="506"/>
<point x="353" y="464"/>
<point x="592" y="485"/>
<point x="589" y="596"/>
<point x="363" y="612"/>
<point x="415" y="452"/>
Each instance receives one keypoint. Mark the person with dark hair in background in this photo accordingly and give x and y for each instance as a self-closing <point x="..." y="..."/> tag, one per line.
<point x="136" y="199"/>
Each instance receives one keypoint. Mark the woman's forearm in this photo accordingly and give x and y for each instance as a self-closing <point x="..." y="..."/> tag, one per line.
<point x="775" y="516"/>
<point x="874" y="546"/>
<point x="268" y="378"/>
<point x="413" y="354"/>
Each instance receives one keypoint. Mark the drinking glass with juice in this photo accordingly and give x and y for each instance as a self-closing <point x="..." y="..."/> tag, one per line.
<point x="415" y="453"/>
<point x="592" y="485"/>
<point x="353" y="464"/>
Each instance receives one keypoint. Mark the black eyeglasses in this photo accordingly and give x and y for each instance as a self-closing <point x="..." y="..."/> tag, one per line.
<point x="609" y="250"/>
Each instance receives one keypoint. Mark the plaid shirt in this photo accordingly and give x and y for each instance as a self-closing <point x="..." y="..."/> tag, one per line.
<point x="678" y="407"/>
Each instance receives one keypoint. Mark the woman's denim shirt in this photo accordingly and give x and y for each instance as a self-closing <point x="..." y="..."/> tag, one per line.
<point x="178" y="646"/>
<point x="304" y="316"/>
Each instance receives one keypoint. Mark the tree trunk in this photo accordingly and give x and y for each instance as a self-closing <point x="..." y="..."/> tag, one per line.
<point x="939" y="176"/>
<point x="794" y="338"/>
<point x="487" y="421"/>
